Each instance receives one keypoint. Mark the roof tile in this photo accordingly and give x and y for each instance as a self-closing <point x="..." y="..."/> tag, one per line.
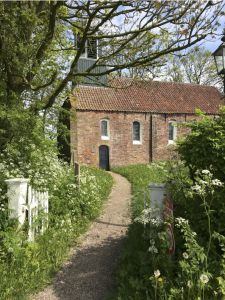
<point x="148" y="96"/>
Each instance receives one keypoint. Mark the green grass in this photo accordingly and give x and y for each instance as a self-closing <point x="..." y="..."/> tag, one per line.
<point x="140" y="176"/>
<point x="133" y="274"/>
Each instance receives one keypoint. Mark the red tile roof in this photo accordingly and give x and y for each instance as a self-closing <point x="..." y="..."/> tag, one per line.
<point x="148" y="96"/>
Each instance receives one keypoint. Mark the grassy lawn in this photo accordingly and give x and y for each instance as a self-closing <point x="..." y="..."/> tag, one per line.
<point x="140" y="176"/>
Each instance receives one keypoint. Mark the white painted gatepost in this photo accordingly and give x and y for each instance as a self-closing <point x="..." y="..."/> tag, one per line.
<point x="27" y="204"/>
<point x="161" y="202"/>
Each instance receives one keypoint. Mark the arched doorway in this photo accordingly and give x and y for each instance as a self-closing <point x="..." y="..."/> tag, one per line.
<point x="104" y="157"/>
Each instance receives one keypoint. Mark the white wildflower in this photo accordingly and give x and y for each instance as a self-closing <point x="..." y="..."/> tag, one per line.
<point x="204" y="278"/>
<point x="156" y="221"/>
<point x="189" y="284"/>
<point x="217" y="182"/>
<point x="153" y="249"/>
<point x="196" y="188"/>
<point x="203" y="182"/>
<point x="181" y="221"/>
<point x="206" y="172"/>
<point x="157" y="273"/>
<point x="185" y="255"/>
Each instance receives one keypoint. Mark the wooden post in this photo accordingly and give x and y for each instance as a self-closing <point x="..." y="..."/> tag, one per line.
<point x="17" y="194"/>
<point x="77" y="173"/>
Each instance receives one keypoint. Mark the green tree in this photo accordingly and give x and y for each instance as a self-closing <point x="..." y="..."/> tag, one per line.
<point x="39" y="48"/>
<point x="38" y="55"/>
<point x="196" y="66"/>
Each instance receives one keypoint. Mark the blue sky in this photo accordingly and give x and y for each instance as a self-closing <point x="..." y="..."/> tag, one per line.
<point x="212" y="45"/>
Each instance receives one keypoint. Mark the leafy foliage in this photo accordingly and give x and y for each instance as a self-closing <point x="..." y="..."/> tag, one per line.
<point x="136" y="261"/>
<point x="25" y="267"/>
<point x="196" y="270"/>
<point x="193" y="66"/>
<point x="126" y="33"/>
<point x="204" y="146"/>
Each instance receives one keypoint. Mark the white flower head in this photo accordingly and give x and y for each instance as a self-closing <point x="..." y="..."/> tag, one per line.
<point x="157" y="273"/>
<point x="203" y="182"/>
<point x="217" y="182"/>
<point x="204" y="278"/>
<point x="189" y="284"/>
<point x="181" y="221"/>
<point x="206" y="172"/>
<point x="153" y="249"/>
<point x="196" y="188"/>
<point x="185" y="255"/>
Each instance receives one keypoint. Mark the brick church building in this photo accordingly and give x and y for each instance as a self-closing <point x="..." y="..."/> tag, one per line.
<point x="134" y="121"/>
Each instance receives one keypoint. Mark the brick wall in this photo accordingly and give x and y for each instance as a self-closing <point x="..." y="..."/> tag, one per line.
<point x="86" y="137"/>
<point x="161" y="148"/>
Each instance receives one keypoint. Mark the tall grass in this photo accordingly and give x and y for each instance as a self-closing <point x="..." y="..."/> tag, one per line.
<point x="134" y="267"/>
<point x="140" y="176"/>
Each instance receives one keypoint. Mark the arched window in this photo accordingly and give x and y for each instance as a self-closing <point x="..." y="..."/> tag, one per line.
<point x="136" y="133"/>
<point x="172" y="131"/>
<point x="105" y="129"/>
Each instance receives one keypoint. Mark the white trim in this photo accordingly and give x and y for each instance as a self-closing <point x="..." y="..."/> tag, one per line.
<point x="103" y="137"/>
<point x="171" y="142"/>
<point x="137" y="143"/>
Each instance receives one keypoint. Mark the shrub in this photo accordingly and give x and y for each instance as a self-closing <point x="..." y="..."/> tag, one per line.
<point x="204" y="147"/>
<point x="197" y="268"/>
<point x="25" y="267"/>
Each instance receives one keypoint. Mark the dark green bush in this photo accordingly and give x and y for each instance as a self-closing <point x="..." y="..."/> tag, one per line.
<point x="204" y="147"/>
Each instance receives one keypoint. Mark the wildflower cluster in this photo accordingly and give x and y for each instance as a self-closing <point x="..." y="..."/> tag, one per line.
<point x="205" y="183"/>
<point x="150" y="216"/>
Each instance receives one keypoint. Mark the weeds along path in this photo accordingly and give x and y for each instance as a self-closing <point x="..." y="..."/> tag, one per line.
<point x="89" y="275"/>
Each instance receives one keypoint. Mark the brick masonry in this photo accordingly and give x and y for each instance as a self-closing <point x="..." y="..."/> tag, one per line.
<point x="86" y="137"/>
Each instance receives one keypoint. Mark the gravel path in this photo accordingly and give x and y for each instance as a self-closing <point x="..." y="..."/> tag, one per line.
<point x="89" y="275"/>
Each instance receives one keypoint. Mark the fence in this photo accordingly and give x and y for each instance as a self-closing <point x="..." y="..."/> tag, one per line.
<point x="27" y="205"/>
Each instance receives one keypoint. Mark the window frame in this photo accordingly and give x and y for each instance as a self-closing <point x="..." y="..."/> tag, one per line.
<point x="174" y="126"/>
<point x="85" y="53"/>
<point x="137" y="142"/>
<point x="104" y="137"/>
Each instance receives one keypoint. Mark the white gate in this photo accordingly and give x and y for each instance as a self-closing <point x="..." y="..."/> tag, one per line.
<point x="27" y="204"/>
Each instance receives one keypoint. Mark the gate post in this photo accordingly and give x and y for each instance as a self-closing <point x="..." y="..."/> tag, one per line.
<point x="161" y="200"/>
<point x="157" y="196"/>
<point x="77" y="173"/>
<point x="17" y="193"/>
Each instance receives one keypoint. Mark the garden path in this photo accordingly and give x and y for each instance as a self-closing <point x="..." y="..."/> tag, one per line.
<point x="89" y="274"/>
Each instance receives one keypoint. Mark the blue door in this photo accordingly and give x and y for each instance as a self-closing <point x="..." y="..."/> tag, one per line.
<point x="104" y="157"/>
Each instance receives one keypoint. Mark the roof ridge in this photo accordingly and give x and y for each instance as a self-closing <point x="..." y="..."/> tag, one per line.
<point x="162" y="81"/>
<point x="143" y="81"/>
